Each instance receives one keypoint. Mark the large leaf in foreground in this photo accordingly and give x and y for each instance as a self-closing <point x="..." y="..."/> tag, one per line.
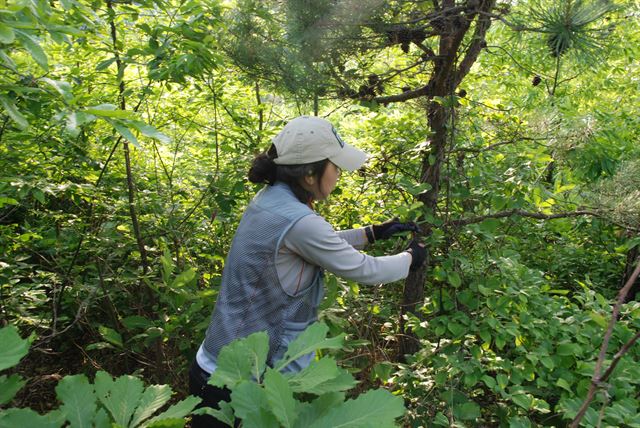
<point x="13" y="347"/>
<point x="378" y="408"/>
<point x="78" y="400"/>
<point x="241" y="360"/>
<point x="314" y="337"/>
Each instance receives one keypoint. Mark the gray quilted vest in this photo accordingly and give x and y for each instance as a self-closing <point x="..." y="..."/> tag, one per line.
<point x="251" y="298"/>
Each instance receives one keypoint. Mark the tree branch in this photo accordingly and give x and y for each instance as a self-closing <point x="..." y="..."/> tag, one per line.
<point x="521" y="213"/>
<point x="482" y="25"/>
<point x="597" y="380"/>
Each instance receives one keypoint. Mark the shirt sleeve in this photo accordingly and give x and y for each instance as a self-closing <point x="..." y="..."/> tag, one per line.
<point x="315" y="240"/>
<point x="357" y="238"/>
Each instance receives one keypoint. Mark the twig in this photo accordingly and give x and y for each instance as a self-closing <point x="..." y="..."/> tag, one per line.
<point x="596" y="380"/>
<point x="522" y="213"/>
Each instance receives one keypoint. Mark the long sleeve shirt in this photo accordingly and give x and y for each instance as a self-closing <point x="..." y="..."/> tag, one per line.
<point x="312" y="240"/>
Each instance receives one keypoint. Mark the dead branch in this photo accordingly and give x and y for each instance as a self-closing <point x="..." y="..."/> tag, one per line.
<point x="596" y="380"/>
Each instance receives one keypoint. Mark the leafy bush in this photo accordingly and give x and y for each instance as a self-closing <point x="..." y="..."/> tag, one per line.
<point x="108" y="402"/>
<point x="313" y="397"/>
<point x="512" y="350"/>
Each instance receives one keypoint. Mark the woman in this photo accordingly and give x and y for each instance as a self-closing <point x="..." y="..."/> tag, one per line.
<point x="272" y="278"/>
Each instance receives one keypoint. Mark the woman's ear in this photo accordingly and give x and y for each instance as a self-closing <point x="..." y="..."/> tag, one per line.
<point x="310" y="179"/>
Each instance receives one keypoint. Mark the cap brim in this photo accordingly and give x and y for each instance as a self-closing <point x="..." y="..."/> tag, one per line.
<point x="349" y="158"/>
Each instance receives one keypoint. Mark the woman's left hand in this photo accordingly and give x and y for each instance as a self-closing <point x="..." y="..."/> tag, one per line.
<point x="389" y="228"/>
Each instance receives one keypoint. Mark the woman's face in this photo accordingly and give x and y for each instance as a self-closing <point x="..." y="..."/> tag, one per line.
<point x="322" y="188"/>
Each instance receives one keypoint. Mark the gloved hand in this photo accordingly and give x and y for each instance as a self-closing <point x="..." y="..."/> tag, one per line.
<point x="418" y="254"/>
<point x="389" y="228"/>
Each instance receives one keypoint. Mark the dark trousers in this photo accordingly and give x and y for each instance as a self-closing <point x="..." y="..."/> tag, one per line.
<point x="210" y="395"/>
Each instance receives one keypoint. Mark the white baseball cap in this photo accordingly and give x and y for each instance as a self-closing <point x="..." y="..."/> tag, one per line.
<point x="307" y="139"/>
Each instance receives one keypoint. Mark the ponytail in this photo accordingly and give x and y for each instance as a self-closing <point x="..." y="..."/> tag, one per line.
<point x="263" y="168"/>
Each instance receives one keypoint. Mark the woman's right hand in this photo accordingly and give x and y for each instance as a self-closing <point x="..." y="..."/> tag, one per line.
<point x="418" y="253"/>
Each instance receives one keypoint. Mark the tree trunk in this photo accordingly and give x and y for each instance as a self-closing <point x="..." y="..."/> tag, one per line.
<point x="447" y="74"/>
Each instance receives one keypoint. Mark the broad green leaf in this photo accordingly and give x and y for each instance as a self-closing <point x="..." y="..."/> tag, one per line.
<point x="260" y="418"/>
<point x="241" y="360"/>
<point x="377" y="408"/>
<point x="110" y="335"/>
<point x="150" y="131"/>
<point x="33" y="47"/>
<point x="13" y="113"/>
<point x="308" y="413"/>
<point x="110" y="111"/>
<point x="184" y="278"/>
<point x="315" y="374"/>
<point x="126" y="133"/>
<point x="136" y="321"/>
<point x="27" y="418"/>
<point x="314" y="337"/>
<point x="225" y="414"/>
<point x="6" y="34"/>
<point x="599" y="319"/>
<point x="101" y="419"/>
<point x="247" y="397"/>
<point x="168" y="423"/>
<point x="78" y="400"/>
<point x="13" y="347"/>
<point x="153" y="397"/>
<point x="343" y="382"/>
<point x="522" y="400"/>
<point x="119" y="397"/>
<point x="564" y="385"/>
<point x="9" y="386"/>
<point x="62" y="87"/>
<point x="177" y="411"/>
<point x="454" y="279"/>
<point x="466" y="411"/>
<point x="280" y="397"/>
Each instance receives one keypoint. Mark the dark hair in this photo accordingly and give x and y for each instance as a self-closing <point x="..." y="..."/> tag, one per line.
<point x="265" y="170"/>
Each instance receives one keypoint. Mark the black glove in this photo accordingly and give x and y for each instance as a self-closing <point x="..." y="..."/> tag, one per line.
<point x="389" y="228"/>
<point x="418" y="254"/>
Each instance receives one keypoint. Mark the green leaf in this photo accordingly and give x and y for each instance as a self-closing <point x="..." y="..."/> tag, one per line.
<point x="568" y="349"/>
<point x="522" y="400"/>
<point x="150" y="131"/>
<point x="110" y="335"/>
<point x="313" y="375"/>
<point x="78" y="400"/>
<point x="260" y="418"/>
<point x="105" y="64"/>
<point x="599" y="319"/>
<point x="14" y="418"/>
<point x="241" y="360"/>
<point x="33" y="47"/>
<point x="247" y="398"/>
<point x="136" y="321"/>
<point x="177" y="411"/>
<point x="467" y="411"/>
<point x="63" y="88"/>
<point x="225" y="414"/>
<point x="454" y="279"/>
<point x="119" y="397"/>
<point x="153" y="397"/>
<point x="314" y="337"/>
<point x="9" y="387"/>
<point x="127" y="134"/>
<point x="184" y="278"/>
<point x="13" y="113"/>
<point x="308" y="413"/>
<point x="377" y="408"/>
<point x="13" y="347"/>
<point x="280" y="397"/>
<point x="110" y="111"/>
<point x="6" y="34"/>
<point x="564" y="385"/>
